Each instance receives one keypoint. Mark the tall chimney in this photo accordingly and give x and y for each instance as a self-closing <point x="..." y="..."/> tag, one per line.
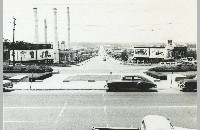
<point x="68" y="16"/>
<point x="55" y="46"/>
<point x="45" y="31"/>
<point x="36" y="26"/>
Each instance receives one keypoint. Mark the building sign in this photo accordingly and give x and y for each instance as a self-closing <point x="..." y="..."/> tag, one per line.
<point x="141" y="52"/>
<point x="158" y="53"/>
<point x="23" y="55"/>
<point x="45" y="54"/>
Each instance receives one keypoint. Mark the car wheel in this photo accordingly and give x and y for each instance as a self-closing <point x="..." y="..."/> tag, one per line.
<point x="110" y="90"/>
<point x="184" y="89"/>
<point x="145" y="89"/>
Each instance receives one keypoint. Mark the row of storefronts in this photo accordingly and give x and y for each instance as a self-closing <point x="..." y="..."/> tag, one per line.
<point x="46" y="55"/>
<point x="153" y="54"/>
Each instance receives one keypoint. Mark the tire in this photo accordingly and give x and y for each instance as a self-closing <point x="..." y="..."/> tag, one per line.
<point x="108" y="90"/>
<point x="184" y="89"/>
<point x="143" y="87"/>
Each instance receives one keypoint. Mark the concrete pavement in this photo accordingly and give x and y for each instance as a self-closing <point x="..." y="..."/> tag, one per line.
<point x="56" y="83"/>
<point x="81" y="110"/>
<point x="93" y="66"/>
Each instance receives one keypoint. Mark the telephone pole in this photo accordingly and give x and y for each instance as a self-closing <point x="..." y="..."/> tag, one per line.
<point x="14" y="19"/>
<point x="45" y="31"/>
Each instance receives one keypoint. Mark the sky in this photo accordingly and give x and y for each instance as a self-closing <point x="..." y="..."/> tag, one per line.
<point x="103" y="21"/>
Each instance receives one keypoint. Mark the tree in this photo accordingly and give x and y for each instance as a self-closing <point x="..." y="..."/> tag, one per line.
<point x="192" y="53"/>
<point x="124" y="56"/>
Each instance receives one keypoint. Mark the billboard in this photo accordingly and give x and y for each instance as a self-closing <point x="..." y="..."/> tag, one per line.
<point x="45" y="54"/>
<point x="23" y="55"/>
<point x="158" y="53"/>
<point x="28" y="55"/>
<point x="141" y="52"/>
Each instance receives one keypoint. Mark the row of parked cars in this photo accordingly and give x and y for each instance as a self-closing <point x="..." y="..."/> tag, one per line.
<point x="140" y="83"/>
<point x="127" y="83"/>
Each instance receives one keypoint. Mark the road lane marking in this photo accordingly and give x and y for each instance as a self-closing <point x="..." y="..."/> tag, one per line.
<point x="104" y="107"/>
<point x="26" y="122"/>
<point x="61" y="112"/>
<point x="99" y="107"/>
<point x="31" y="107"/>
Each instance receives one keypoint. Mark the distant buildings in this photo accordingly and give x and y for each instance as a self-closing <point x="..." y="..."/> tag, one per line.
<point x="44" y="53"/>
<point x="152" y="53"/>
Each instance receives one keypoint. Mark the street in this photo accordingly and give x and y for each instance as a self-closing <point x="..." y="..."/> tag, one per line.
<point x="83" y="108"/>
<point x="80" y="110"/>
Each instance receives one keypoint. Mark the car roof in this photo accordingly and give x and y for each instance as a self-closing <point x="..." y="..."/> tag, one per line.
<point x="135" y="76"/>
<point x="156" y="122"/>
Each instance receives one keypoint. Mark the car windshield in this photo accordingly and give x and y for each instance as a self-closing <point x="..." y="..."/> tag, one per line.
<point x="127" y="78"/>
<point x="137" y="78"/>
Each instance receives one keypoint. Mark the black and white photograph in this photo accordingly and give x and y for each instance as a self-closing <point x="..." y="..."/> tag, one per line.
<point x="99" y="65"/>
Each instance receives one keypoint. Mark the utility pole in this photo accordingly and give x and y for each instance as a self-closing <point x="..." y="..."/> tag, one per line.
<point x="45" y="31"/>
<point x="14" y="19"/>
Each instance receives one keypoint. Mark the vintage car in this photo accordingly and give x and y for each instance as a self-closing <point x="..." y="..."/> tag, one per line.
<point x="7" y="84"/>
<point x="150" y="122"/>
<point x="188" y="84"/>
<point x="155" y="122"/>
<point x="134" y="82"/>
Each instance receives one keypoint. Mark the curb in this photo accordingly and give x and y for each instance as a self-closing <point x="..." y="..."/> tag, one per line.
<point x="54" y="89"/>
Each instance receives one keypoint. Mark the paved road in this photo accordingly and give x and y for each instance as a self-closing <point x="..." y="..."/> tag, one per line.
<point x="97" y="65"/>
<point x="80" y="110"/>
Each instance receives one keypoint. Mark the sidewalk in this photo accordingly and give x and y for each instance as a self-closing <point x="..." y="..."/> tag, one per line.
<point x="56" y="83"/>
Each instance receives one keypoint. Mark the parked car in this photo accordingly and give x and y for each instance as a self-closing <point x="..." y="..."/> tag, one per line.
<point x="134" y="82"/>
<point x="188" y="84"/>
<point x="7" y="84"/>
<point x="150" y="122"/>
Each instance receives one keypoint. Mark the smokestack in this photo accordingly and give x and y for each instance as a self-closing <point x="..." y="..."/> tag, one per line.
<point x="55" y="46"/>
<point x="45" y="31"/>
<point x="36" y="26"/>
<point x="68" y="16"/>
